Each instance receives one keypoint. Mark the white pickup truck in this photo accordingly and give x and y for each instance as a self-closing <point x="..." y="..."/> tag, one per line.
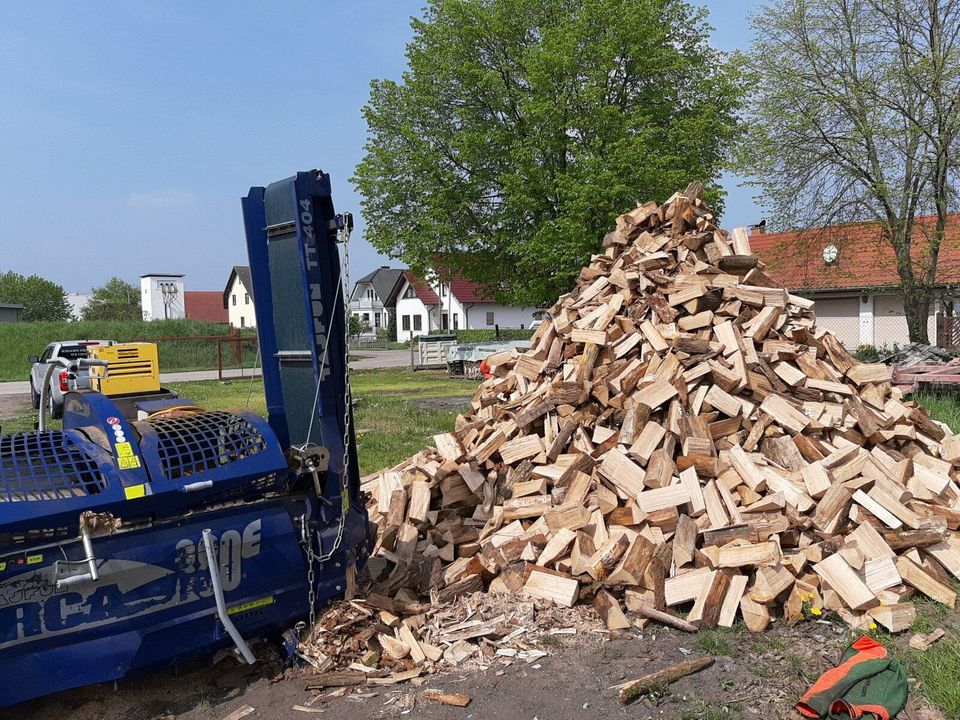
<point x="64" y="380"/>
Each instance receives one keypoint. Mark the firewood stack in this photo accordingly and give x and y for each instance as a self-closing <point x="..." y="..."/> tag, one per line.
<point x="680" y="438"/>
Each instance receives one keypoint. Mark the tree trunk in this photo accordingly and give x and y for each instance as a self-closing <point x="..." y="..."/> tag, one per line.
<point x="916" y="307"/>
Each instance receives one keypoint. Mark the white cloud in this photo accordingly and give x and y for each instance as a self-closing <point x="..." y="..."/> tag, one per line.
<point x="161" y="199"/>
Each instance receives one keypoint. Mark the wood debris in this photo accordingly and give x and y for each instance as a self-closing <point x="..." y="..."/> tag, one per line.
<point x="456" y="699"/>
<point x="681" y="437"/>
<point x="633" y="689"/>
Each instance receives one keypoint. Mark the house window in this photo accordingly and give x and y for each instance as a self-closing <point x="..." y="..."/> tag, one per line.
<point x="370" y="294"/>
<point x="243" y="321"/>
<point x="443" y="290"/>
<point x="410" y="292"/>
<point x="406" y="322"/>
<point x="246" y="298"/>
<point x="456" y="321"/>
<point x="376" y="319"/>
<point x="417" y="322"/>
<point x="366" y="318"/>
<point x="490" y="318"/>
<point x="233" y="300"/>
<point x="444" y="323"/>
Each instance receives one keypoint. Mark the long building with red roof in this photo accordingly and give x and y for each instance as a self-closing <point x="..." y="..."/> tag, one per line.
<point x="851" y="272"/>
<point x="457" y="303"/>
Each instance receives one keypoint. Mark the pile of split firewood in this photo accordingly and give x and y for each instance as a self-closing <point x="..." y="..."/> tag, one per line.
<point x="682" y="443"/>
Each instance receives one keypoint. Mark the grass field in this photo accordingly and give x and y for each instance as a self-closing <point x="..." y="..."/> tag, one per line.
<point x="394" y="415"/>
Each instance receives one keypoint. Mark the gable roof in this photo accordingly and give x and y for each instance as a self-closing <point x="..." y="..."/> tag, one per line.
<point x="422" y="289"/>
<point x="242" y="272"/>
<point x="865" y="260"/>
<point x="385" y="281"/>
<point x="204" y="305"/>
<point x="468" y="291"/>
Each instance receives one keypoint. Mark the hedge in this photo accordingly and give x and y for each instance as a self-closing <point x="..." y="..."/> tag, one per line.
<point x="486" y="335"/>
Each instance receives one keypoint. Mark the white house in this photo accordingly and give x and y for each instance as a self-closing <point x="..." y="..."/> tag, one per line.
<point x="238" y="298"/>
<point x="161" y="296"/>
<point x="460" y="304"/>
<point x="374" y="297"/>
<point x="851" y="273"/>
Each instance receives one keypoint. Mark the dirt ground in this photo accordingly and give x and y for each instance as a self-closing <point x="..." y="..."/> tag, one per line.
<point x="754" y="676"/>
<point x="14" y="406"/>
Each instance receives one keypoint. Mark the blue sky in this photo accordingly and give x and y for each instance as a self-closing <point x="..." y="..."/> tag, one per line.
<point x="129" y="130"/>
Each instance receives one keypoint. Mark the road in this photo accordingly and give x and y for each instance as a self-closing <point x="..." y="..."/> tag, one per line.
<point x="370" y="360"/>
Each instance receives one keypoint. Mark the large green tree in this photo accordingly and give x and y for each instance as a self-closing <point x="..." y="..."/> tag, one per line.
<point x="115" y="300"/>
<point x="41" y="299"/>
<point x="523" y="127"/>
<point x="856" y="116"/>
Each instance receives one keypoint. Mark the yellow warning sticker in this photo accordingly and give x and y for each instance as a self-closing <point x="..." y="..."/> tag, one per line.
<point x="3" y="566"/>
<point x="124" y="449"/>
<point x="252" y="605"/>
<point x="135" y="491"/>
<point x="34" y="559"/>
<point x="128" y="463"/>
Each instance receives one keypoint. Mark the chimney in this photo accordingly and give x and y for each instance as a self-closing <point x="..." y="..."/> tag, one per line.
<point x="759" y="229"/>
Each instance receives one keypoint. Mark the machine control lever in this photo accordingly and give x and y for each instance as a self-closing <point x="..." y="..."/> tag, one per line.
<point x="91" y="576"/>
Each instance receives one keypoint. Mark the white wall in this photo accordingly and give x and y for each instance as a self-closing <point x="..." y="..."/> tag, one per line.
<point x="878" y="321"/>
<point x="240" y="309"/>
<point x="414" y="307"/>
<point x="152" y="297"/>
<point x="890" y="322"/>
<point x="504" y="316"/>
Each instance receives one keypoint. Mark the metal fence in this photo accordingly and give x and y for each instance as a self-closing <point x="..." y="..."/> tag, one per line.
<point x="205" y="352"/>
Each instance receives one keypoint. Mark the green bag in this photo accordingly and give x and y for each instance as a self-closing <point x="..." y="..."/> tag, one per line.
<point x="867" y="683"/>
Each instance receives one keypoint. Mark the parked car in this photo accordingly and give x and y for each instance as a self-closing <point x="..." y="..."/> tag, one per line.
<point x="60" y="381"/>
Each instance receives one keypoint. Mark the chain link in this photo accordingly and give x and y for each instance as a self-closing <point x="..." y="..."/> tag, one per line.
<point x="312" y="558"/>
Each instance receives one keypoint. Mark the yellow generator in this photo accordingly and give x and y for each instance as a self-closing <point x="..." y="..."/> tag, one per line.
<point x="133" y="368"/>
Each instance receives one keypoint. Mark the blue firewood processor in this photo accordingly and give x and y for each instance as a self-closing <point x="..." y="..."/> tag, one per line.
<point x="133" y="539"/>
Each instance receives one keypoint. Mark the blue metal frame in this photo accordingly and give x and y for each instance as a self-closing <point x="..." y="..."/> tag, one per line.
<point x="297" y="214"/>
<point x="153" y="602"/>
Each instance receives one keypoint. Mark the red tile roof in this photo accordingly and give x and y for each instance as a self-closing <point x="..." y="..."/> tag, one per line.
<point x="202" y="305"/>
<point x="467" y="291"/>
<point x="865" y="260"/>
<point x="422" y="289"/>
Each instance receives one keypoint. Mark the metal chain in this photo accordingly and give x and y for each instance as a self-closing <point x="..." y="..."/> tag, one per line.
<point x="312" y="557"/>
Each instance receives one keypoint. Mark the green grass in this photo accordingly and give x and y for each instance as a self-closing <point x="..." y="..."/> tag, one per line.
<point x="942" y="406"/>
<point x="714" y="642"/>
<point x="20" y="340"/>
<point x="765" y="645"/>
<point x="390" y="425"/>
<point x="937" y="669"/>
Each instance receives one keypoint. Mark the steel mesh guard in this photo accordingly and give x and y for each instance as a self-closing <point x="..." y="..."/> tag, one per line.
<point x="191" y="444"/>
<point x="46" y="465"/>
